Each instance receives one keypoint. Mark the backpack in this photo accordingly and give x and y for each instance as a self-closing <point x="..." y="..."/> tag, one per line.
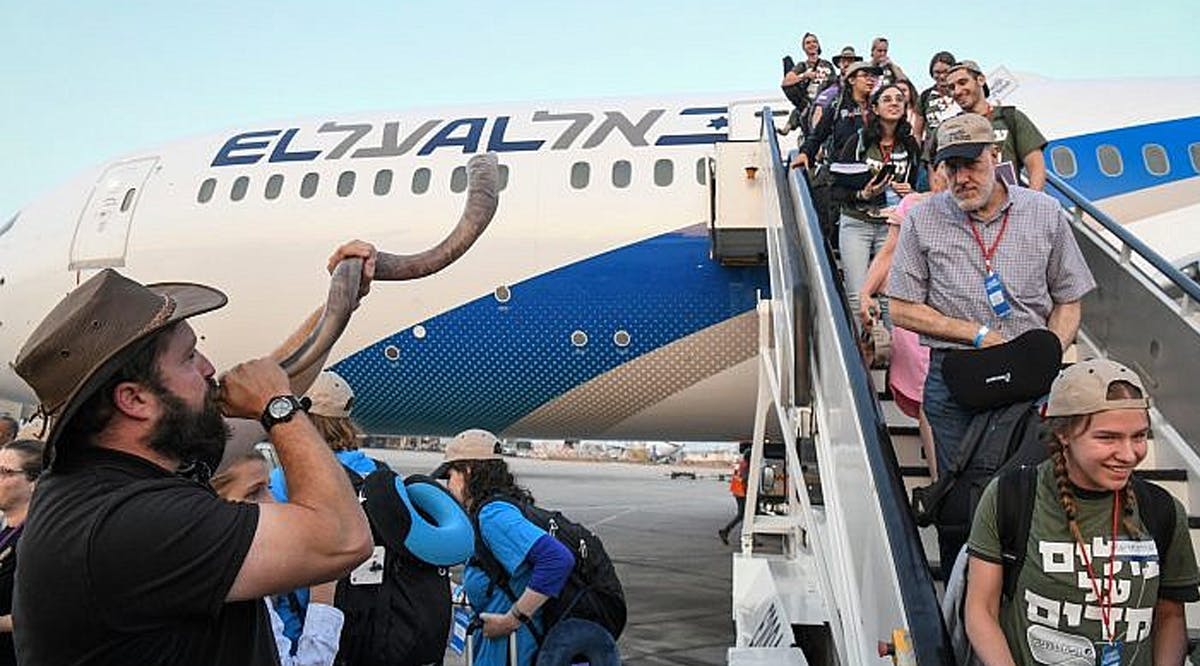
<point x="592" y="591"/>
<point x="405" y="618"/>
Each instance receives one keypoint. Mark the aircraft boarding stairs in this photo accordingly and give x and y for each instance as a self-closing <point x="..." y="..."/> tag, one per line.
<point x="853" y="583"/>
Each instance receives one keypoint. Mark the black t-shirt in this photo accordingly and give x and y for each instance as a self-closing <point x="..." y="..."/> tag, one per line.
<point x="8" y="567"/>
<point x="124" y="563"/>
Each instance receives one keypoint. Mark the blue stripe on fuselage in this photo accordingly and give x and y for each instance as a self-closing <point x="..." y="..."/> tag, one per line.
<point x="487" y="364"/>
<point x="1175" y="136"/>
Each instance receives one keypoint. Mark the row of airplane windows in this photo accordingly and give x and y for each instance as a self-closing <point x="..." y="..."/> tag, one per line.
<point x="580" y="178"/>
<point x="1154" y="159"/>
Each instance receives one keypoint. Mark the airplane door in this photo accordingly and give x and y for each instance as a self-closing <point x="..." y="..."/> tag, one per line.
<point x="102" y="233"/>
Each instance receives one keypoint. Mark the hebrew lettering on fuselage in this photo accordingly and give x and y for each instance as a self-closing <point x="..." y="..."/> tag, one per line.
<point x="542" y="130"/>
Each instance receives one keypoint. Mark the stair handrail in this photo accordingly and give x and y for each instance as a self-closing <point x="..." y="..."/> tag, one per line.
<point x="1188" y="286"/>
<point x="921" y="607"/>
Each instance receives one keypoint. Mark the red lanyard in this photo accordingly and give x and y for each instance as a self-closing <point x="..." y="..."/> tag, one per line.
<point x="1105" y="601"/>
<point x="988" y="252"/>
<point x="886" y="154"/>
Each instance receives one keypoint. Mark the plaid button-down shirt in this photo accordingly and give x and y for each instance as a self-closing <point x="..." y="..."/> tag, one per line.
<point x="939" y="262"/>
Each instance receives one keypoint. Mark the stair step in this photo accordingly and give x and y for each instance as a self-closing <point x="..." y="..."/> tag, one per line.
<point x="914" y="471"/>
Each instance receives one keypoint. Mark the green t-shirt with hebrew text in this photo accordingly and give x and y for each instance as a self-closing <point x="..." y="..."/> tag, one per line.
<point x="1016" y="135"/>
<point x="1054" y="617"/>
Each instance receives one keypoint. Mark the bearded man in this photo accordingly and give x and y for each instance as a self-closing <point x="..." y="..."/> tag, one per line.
<point x="980" y="264"/>
<point x="128" y="556"/>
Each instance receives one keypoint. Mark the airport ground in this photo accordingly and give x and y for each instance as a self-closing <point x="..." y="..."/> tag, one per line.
<point x="662" y="535"/>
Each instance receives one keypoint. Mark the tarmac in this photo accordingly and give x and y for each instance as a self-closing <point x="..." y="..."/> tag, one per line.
<point x="661" y="534"/>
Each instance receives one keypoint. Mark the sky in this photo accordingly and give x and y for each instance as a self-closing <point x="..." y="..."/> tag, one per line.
<point x="83" y="82"/>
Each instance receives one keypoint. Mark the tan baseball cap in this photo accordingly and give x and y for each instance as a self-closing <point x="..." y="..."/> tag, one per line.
<point x="974" y="68"/>
<point x="1083" y="389"/>
<point x="964" y="135"/>
<point x="474" y="444"/>
<point x="331" y="396"/>
<point x="969" y="65"/>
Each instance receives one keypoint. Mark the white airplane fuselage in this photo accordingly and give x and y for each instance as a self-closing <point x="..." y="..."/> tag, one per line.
<point x="588" y="308"/>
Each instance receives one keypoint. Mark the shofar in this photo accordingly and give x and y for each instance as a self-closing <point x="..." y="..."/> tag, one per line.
<point x="320" y="334"/>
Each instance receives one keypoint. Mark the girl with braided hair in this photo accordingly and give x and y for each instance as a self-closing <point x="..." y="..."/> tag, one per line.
<point x="1094" y="586"/>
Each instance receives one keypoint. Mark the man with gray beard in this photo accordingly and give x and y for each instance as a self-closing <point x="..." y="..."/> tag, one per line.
<point x="977" y="266"/>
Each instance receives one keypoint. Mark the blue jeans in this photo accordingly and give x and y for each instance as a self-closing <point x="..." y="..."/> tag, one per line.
<point x="859" y="242"/>
<point x="947" y="418"/>
<point x="576" y="641"/>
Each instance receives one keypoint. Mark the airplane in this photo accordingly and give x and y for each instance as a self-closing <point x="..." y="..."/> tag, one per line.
<point x="594" y="306"/>
<point x="590" y="308"/>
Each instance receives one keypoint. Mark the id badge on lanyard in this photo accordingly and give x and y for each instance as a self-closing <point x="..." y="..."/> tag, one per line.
<point x="1110" y="654"/>
<point x="993" y="286"/>
<point x="994" y="289"/>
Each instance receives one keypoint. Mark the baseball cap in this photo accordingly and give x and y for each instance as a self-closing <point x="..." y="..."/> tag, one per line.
<point x="1083" y="389"/>
<point x="331" y="396"/>
<point x="474" y="444"/>
<point x="965" y="135"/>
<point x="974" y="68"/>
<point x="969" y="65"/>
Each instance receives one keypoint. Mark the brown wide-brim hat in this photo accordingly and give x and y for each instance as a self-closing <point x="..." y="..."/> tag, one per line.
<point x="94" y="331"/>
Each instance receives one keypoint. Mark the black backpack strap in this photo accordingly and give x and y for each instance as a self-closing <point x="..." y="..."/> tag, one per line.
<point x="1016" y="493"/>
<point x="1156" y="508"/>
<point x="356" y="479"/>
<point x="927" y="500"/>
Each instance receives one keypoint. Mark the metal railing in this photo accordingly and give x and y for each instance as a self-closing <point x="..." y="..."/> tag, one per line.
<point x="876" y="529"/>
<point x="1132" y="318"/>
<point x="1131" y="243"/>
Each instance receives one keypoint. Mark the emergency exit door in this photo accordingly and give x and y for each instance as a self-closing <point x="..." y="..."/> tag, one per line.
<point x="102" y="234"/>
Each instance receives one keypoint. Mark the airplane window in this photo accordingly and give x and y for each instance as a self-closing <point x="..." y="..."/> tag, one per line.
<point x="1194" y="153"/>
<point x="240" y="185"/>
<point x="1155" y="157"/>
<point x="308" y="186"/>
<point x="458" y="179"/>
<point x="664" y="172"/>
<point x="128" y="200"/>
<point x="1110" y="160"/>
<point x="420" y="181"/>
<point x="581" y="173"/>
<point x="206" y="190"/>
<point x="622" y="173"/>
<point x="274" y="186"/>
<point x="1063" y="159"/>
<point x="503" y="184"/>
<point x="345" y="184"/>
<point x="702" y="171"/>
<point x="383" y="182"/>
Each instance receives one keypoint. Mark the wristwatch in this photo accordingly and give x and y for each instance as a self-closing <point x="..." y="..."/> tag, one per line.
<point x="281" y="409"/>
<point x="521" y="617"/>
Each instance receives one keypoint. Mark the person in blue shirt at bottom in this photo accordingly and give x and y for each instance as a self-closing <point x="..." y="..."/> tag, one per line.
<point x="538" y="564"/>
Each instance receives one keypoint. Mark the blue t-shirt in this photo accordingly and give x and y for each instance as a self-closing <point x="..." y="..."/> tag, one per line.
<point x="509" y="536"/>
<point x="291" y="611"/>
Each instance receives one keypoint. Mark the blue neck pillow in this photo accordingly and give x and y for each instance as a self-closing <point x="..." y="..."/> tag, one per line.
<point x="438" y="529"/>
